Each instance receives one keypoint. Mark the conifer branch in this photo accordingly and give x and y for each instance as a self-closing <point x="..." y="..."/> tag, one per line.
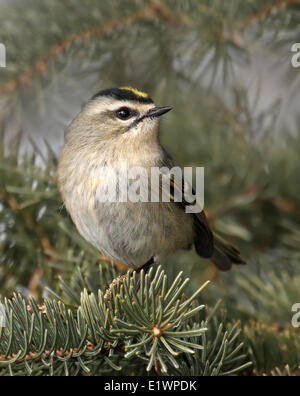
<point x="143" y="322"/>
<point x="40" y="66"/>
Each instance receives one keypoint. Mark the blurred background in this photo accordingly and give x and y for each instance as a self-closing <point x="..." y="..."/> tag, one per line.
<point x="226" y="69"/>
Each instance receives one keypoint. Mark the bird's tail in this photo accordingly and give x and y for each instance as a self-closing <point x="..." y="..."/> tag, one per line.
<point x="225" y="255"/>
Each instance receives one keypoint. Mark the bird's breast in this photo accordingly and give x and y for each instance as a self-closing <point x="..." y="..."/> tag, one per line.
<point x="111" y="207"/>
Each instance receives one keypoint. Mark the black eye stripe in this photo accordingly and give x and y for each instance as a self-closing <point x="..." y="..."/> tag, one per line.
<point x="124" y="113"/>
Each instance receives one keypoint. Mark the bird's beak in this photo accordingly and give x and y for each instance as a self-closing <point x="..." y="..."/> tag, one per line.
<point x="158" y="111"/>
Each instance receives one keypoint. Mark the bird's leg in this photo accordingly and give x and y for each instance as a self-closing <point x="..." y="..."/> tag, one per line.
<point x="146" y="266"/>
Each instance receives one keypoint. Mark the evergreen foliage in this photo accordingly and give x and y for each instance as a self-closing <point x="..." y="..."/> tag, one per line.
<point x="188" y="54"/>
<point x="146" y="326"/>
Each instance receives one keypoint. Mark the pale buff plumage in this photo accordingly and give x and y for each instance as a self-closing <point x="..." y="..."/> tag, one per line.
<point x="135" y="233"/>
<point x="129" y="232"/>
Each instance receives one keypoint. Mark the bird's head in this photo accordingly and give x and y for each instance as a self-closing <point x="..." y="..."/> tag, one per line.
<point x="118" y="114"/>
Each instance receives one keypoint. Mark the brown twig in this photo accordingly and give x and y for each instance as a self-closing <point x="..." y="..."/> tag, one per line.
<point x="263" y="12"/>
<point x="35" y="282"/>
<point x="48" y="250"/>
<point x="113" y="284"/>
<point x="154" y="8"/>
<point x="45" y="242"/>
<point x="13" y="204"/>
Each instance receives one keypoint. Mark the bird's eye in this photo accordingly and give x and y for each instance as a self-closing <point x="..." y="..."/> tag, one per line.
<point x="124" y="113"/>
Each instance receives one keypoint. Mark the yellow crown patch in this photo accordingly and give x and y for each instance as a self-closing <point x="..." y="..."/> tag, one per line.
<point x="135" y="91"/>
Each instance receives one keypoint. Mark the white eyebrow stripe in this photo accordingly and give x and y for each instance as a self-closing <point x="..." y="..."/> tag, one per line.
<point x="110" y="104"/>
<point x="131" y="105"/>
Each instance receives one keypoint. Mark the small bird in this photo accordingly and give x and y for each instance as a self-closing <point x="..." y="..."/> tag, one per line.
<point x="121" y="126"/>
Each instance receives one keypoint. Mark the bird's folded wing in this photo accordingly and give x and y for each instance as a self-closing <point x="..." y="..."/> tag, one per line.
<point x="204" y="239"/>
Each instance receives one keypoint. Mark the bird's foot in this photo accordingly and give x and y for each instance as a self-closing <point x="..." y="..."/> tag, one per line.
<point x="146" y="266"/>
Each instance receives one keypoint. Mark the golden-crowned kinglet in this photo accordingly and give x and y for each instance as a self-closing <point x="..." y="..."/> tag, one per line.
<point x="116" y="131"/>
